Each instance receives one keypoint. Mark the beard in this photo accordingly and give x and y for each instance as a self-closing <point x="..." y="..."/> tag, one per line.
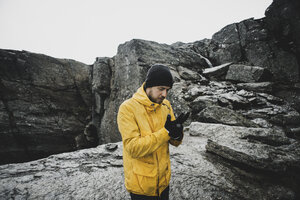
<point x="157" y="100"/>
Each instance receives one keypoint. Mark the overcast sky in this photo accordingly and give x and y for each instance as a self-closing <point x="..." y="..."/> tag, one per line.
<point x="85" y="29"/>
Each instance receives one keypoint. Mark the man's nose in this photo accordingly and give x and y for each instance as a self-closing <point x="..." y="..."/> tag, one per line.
<point x="164" y="93"/>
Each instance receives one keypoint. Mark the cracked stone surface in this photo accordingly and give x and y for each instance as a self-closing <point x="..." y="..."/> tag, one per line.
<point x="97" y="173"/>
<point x="261" y="148"/>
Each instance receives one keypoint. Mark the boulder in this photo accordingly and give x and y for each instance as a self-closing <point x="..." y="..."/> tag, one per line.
<point x="260" y="148"/>
<point x="193" y="91"/>
<point x="223" y="115"/>
<point x="233" y="100"/>
<point x="187" y="74"/>
<point x="202" y="102"/>
<point x="262" y="123"/>
<point x="217" y="72"/>
<point x="248" y="74"/>
<point x="246" y="94"/>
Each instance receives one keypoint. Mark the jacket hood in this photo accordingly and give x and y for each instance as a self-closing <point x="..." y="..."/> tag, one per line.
<point x="142" y="98"/>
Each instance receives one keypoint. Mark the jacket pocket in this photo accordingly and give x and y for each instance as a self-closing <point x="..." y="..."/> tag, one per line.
<point x="146" y="175"/>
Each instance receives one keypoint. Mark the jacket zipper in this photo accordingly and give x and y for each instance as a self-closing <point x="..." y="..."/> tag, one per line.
<point x="156" y="160"/>
<point x="157" y="174"/>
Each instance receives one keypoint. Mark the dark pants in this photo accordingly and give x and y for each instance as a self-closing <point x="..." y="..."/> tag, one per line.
<point x="164" y="196"/>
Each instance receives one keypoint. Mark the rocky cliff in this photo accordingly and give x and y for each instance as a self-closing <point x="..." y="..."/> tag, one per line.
<point x="44" y="103"/>
<point x="242" y="139"/>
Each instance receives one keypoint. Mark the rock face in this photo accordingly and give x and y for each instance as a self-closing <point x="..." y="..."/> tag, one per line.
<point x="282" y="21"/>
<point x="44" y="104"/>
<point x="271" y="42"/>
<point x="132" y="62"/>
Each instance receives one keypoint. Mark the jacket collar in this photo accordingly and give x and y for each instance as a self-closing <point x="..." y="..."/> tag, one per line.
<point x="142" y="98"/>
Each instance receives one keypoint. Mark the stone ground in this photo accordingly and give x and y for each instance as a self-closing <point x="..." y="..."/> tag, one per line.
<point x="98" y="174"/>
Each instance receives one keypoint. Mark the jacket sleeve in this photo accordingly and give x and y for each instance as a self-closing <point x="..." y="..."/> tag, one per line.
<point x="136" y="145"/>
<point x="175" y="143"/>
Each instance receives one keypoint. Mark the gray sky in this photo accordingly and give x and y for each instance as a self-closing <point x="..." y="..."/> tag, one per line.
<point x="85" y="29"/>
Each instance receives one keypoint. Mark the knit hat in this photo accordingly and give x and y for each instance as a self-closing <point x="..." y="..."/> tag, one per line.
<point x="159" y="75"/>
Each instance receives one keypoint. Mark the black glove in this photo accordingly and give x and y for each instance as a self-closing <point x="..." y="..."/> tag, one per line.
<point x="182" y="118"/>
<point x="175" y="128"/>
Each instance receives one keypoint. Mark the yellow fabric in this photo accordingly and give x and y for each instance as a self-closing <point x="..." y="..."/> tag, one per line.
<point x="146" y="157"/>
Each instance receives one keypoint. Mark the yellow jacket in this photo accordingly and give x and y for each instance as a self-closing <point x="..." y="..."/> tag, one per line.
<point x="146" y="157"/>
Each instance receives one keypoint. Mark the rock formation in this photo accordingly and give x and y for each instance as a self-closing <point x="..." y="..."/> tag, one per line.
<point x="45" y="103"/>
<point x="242" y="88"/>
<point x="131" y="64"/>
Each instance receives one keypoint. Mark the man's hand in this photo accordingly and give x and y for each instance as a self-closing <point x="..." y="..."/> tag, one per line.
<point x="182" y="118"/>
<point x="175" y="128"/>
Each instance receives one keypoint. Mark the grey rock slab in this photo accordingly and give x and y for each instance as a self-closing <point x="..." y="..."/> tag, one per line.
<point x="197" y="174"/>
<point x="217" y="72"/>
<point x="187" y="74"/>
<point x="244" y="73"/>
<point x="234" y="99"/>
<point x="86" y="174"/>
<point x="261" y="148"/>
<point x="265" y="87"/>
<point x="202" y="102"/>
<point x="223" y="115"/>
<point x="193" y="91"/>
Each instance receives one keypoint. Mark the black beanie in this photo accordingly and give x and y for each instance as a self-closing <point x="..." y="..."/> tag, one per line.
<point x="159" y="75"/>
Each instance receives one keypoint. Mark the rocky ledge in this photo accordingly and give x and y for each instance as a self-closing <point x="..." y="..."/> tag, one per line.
<point x="97" y="173"/>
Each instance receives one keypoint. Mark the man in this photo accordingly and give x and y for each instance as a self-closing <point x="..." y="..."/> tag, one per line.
<point x="147" y="125"/>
